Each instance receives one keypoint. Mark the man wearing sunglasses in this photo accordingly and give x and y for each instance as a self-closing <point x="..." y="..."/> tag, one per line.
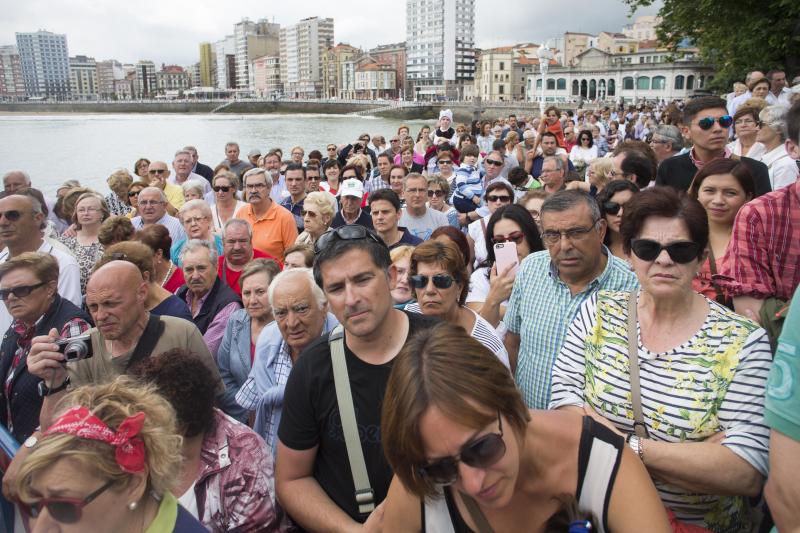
<point x="313" y="478"/>
<point x="706" y="123"/>
<point x="159" y="178"/>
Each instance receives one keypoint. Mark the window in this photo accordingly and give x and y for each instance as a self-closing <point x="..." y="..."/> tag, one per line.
<point x="659" y="82"/>
<point x="575" y="87"/>
<point x="502" y="65"/>
<point x="627" y="83"/>
<point x="690" y="83"/>
<point x="501" y="89"/>
<point x="643" y="83"/>
<point x="551" y="84"/>
<point x="539" y="83"/>
<point x="611" y="88"/>
<point x="561" y="84"/>
<point x="679" y="82"/>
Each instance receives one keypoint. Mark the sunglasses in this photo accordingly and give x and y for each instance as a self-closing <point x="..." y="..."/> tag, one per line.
<point x="132" y="194"/>
<point x="11" y="215"/>
<point x="514" y="236"/>
<point x="611" y="208"/>
<point x="491" y="198"/>
<point x="493" y="162"/>
<point x="437" y="194"/>
<point x="708" y="122"/>
<point x="681" y="252"/>
<point x="64" y="510"/>
<point x="20" y="292"/>
<point x="158" y="171"/>
<point x="440" y="281"/>
<point x="348" y="232"/>
<point x="482" y="453"/>
<point x="445" y="162"/>
<point x="222" y="188"/>
<point x="312" y="214"/>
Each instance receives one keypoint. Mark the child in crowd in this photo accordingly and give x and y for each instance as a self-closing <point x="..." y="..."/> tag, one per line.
<point x="468" y="184"/>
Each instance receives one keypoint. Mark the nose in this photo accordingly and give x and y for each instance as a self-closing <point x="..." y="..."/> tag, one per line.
<point x="664" y="258"/>
<point x="350" y="295"/>
<point x="471" y="478"/>
<point x="44" y="523"/>
<point x="291" y="319"/>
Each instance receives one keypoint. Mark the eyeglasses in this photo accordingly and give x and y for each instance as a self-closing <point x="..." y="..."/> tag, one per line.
<point x="611" y="208"/>
<point x="20" y="292"/>
<point x="158" y="171"/>
<point x="11" y="215"/>
<point x="437" y="194"/>
<point x="573" y="234"/>
<point x="312" y="214"/>
<point x="493" y="162"/>
<point x="491" y="198"/>
<point x="440" y="281"/>
<point x="444" y="162"/>
<point x="395" y="141"/>
<point x="514" y="236"/>
<point x="482" y="453"/>
<point x="708" y="122"/>
<point x="658" y="141"/>
<point x="222" y="188"/>
<point x="86" y="210"/>
<point x="64" y="510"/>
<point x="681" y="251"/>
<point x="145" y="203"/>
<point x="193" y="220"/>
<point x="349" y="232"/>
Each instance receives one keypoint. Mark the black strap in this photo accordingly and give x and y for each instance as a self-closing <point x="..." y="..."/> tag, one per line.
<point x="147" y="342"/>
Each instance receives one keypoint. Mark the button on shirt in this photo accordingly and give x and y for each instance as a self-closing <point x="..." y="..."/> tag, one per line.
<point x="540" y="310"/>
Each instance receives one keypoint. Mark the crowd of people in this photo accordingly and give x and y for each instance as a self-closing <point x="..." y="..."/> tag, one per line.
<point x="576" y="322"/>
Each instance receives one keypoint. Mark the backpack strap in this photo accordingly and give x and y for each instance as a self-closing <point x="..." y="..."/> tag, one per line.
<point x="365" y="496"/>
<point x="147" y="342"/>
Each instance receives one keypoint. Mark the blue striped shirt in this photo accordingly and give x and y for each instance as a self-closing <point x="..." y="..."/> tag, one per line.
<point x="541" y="309"/>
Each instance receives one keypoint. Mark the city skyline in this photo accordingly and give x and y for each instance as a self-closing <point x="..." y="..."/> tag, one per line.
<point x="170" y="33"/>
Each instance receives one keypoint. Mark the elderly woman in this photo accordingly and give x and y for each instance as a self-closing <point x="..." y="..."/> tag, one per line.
<point x="468" y="456"/>
<point x="141" y="168"/>
<point x="196" y="218"/>
<point x="29" y="290"/>
<point x="114" y="230"/>
<point x="166" y="273"/>
<point x="402" y="294"/>
<point x="438" y="193"/>
<point x="745" y="127"/>
<point x="688" y="389"/>
<point x="90" y="212"/>
<point x="759" y="88"/>
<point x="612" y="200"/>
<point x="225" y="184"/>
<point x="318" y="211"/>
<point x="782" y="168"/>
<point x="298" y="256"/>
<point x="722" y="187"/>
<point x="133" y="197"/>
<point x="192" y="190"/>
<point x="237" y="350"/>
<point x="440" y="281"/>
<point x="108" y="463"/>
<point x="117" y="200"/>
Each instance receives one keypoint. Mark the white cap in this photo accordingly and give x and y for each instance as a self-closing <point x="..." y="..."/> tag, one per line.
<point x="352" y="187"/>
<point x="446" y="113"/>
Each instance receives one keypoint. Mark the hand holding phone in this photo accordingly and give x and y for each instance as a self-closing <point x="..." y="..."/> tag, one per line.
<point x="505" y="255"/>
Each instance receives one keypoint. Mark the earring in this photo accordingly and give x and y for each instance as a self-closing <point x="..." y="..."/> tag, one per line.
<point x="132" y="506"/>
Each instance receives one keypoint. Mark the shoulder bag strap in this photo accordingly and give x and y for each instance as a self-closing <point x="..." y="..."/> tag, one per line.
<point x="365" y="497"/>
<point x="477" y="515"/>
<point x="712" y="265"/>
<point x="147" y="342"/>
<point x="633" y="362"/>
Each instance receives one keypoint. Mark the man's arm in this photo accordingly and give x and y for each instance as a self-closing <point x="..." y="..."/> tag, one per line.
<point x="301" y="495"/>
<point x="748" y="306"/>
<point x="783" y="489"/>
<point x="512" y="347"/>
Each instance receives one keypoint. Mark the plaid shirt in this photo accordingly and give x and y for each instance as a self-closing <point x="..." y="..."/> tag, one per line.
<point x="763" y="257"/>
<point x="375" y="183"/>
<point x="540" y="310"/>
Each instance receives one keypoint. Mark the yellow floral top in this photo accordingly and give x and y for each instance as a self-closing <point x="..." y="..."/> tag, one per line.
<point x="713" y="382"/>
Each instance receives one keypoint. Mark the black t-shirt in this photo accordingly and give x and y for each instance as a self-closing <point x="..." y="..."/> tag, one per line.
<point x="311" y="416"/>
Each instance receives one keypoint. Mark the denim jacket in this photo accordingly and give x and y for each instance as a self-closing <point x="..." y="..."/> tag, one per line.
<point x="234" y="363"/>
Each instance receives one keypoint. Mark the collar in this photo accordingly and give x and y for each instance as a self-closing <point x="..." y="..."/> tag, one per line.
<point x="699" y="164"/>
<point x="270" y="213"/>
<point x="351" y="221"/>
<point x="553" y="270"/>
<point x="215" y="450"/>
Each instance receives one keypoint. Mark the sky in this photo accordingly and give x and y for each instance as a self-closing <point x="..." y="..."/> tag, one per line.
<point x="169" y="31"/>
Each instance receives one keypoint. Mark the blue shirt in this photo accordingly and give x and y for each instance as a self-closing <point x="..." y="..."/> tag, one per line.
<point x="296" y="210"/>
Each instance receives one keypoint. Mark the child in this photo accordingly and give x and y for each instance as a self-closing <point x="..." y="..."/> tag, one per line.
<point x="468" y="184"/>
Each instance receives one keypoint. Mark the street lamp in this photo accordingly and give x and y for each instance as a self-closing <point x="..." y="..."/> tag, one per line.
<point x="635" y="86"/>
<point x="545" y="55"/>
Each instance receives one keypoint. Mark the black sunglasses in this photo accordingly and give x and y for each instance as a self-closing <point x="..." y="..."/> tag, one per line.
<point x="158" y="171"/>
<point x="681" y="252"/>
<point x="706" y="123"/>
<point x="482" y="453"/>
<point x="222" y="188"/>
<point x="11" y="215"/>
<point x="494" y="162"/>
<point x="20" y="292"/>
<point x="132" y="194"/>
<point x="440" y="281"/>
<point x="437" y="194"/>
<point x="348" y="232"/>
<point x="491" y="198"/>
<point x="611" y="208"/>
<point x="64" y="510"/>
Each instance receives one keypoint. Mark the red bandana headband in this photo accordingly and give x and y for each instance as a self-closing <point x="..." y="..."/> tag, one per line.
<point x="129" y="449"/>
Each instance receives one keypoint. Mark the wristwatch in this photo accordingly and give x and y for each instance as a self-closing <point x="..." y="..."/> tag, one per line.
<point x="636" y="445"/>
<point x="44" y="390"/>
<point x="30" y="442"/>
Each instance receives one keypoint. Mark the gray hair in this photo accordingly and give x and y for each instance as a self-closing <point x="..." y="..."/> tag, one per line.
<point x="199" y="205"/>
<point x="189" y="148"/>
<point x="414" y="176"/>
<point x="307" y="275"/>
<point x="564" y="200"/>
<point x="557" y="159"/>
<point x="671" y="134"/>
<point x="22" y="172"/>
<point x="160" y="192"/>
<point x="193" y="186"/>
<point x="774" y="116"/>
<point x="237" y="222"/>
<point x="231" y="143"/>
<point x="194" y="245"/>
<point x="183" y="152"/>
<point x="257" y="172"/>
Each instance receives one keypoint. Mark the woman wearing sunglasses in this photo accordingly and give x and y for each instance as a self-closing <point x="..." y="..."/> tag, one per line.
<point x="498" y="193"/>
<point x="438" y="276"/>
<point x="438" y="193"/>
<point x="699" y="376"/>
<point x="584" y="152"/>
<point x="460" y="440"/>
<point x="225" y="184"/>
<point x="612" y="200"/>
<point x="106" y="465"/>
<point x="317" y="216"/>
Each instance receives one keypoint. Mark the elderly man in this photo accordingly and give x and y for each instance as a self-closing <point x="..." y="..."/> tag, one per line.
<point x="236" y="165"/>
<point x="210" y="301"/>
<point x="418" y="218"/>
<point x="14" y="181"/>
<point x="552" y="174"/>
<point x="182" y="165"/>
<point x="666" y="141"/>
<point x="21" y="224"/>
<point x="159" y="174"/>
<point x="295" y="179"/>
<point x="779" y="93"/>
<point x="272" y="164"/>
<point x="237" y="252"/>
<point x="273" y="226"/>
<point x="195" y="215"/>
<point x="351" y="194"/>
<point x="153" y="210"/>
<point x="301" y="316"/>
<point x="552" y="284"/>
<point x="197" y="167"/>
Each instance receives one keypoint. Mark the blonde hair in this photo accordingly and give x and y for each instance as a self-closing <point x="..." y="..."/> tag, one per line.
<point x="602" y="168"/>
<point x="120" y="181"/>
<point x="401" y="252"/>
<point x="112" y="403"/>
<point x="322" y="200"/>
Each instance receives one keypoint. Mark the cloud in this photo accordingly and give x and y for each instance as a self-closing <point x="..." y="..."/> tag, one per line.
<point x="169" y="31"/>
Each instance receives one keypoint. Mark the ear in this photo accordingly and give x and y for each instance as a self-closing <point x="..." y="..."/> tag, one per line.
<point x="136" y="487"/>
<point x="686" y="132"/>
<point x="793" y="149"/>
<point x="602" y="227"/>
<point x="392" y="277"/>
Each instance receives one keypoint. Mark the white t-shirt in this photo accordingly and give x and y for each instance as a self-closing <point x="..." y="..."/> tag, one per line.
<point x="189" y="501"/>
<point x="423" y="226"/>
<point x="475" y="231"/>
<point x="479" y="290"/>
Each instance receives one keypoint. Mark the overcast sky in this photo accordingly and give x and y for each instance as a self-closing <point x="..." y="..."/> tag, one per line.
<point x="169" y="31"/>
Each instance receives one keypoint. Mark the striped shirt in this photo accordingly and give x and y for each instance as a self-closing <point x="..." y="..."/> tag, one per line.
<point x="713" y="382"/>
<point x="540" y="310"/>
<point x="173" y="225"/>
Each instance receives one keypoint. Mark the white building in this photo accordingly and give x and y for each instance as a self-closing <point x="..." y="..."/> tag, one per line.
<point x="252" y="40"/>
<point x="45" y="64"/>
<point x="376" y="80"/>
<point x="83" y="77"/>
<point x="440" y="42"/>
<point x="302" y="47"/>
<point x="643" y="28"/>
<point x="225" y="52"/>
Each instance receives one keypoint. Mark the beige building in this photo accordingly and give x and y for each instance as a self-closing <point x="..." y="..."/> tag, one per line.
<point x="375" y="80"/>
<point x="267" y="76"/>
<point x="575" y="44"/>
<point x="207" y="65"/>
<point x="83" y="77"/>
<point x="616" y="43"/>
<point x="643" y="28"/>
<point x="172" y="78"/>
<point x="12" y="86"/>
<point x="302" y="49"/>
<point x="501" y="73"/>
<point x="337" y="75"/>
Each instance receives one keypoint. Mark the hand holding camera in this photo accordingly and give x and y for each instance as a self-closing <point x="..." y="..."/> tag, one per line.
<point x="48" y="356"/>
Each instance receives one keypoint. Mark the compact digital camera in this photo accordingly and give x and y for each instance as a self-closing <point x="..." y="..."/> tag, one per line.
<point x="76" y="348"/>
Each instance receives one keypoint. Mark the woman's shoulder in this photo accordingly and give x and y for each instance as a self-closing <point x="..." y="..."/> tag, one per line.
<point x="720" y="316"/>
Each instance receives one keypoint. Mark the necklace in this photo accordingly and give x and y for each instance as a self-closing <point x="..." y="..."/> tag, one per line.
<point x="169" y="272"/>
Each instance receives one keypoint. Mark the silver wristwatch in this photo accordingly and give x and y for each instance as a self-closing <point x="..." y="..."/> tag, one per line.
<point x="636" y="445"/>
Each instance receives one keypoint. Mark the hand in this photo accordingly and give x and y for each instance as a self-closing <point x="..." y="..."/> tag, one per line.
<point x="71" y="231"/>
<point x="500" y="285"/>
<point x="374" y="523"/>
<point x="476" y="200"/>
<point x="45" y="361"/>
<point x="589" y="410"/>
<point x="463" y="219"/>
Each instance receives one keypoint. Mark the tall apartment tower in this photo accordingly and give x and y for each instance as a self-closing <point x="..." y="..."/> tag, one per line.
<point x="11" y="85"/>
<point x="225" y="53"/>
<point x="208" y="62"/>
<point x="45" y="64"/>
<point x="253" y="39"/>
<point x="440" y="47"/>
<point x="302" y="47"/>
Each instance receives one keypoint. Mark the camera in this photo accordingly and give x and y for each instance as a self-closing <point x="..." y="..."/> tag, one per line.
<point x="76" y="348"/>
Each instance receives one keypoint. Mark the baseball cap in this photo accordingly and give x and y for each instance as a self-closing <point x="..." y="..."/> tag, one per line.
<point x="254" y="152"/>
<point x="352" y="187"/>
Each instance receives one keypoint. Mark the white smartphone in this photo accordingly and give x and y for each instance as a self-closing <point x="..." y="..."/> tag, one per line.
<point x="505" y="255"/>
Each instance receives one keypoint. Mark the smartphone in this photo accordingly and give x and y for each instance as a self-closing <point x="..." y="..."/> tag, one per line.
<point x="505" y="255"/>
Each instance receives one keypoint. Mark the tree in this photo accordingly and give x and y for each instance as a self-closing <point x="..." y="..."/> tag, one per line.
<point x="735" y="36"/>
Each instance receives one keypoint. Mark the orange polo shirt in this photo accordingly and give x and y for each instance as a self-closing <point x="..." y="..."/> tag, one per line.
<point x="274" y="232"/>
